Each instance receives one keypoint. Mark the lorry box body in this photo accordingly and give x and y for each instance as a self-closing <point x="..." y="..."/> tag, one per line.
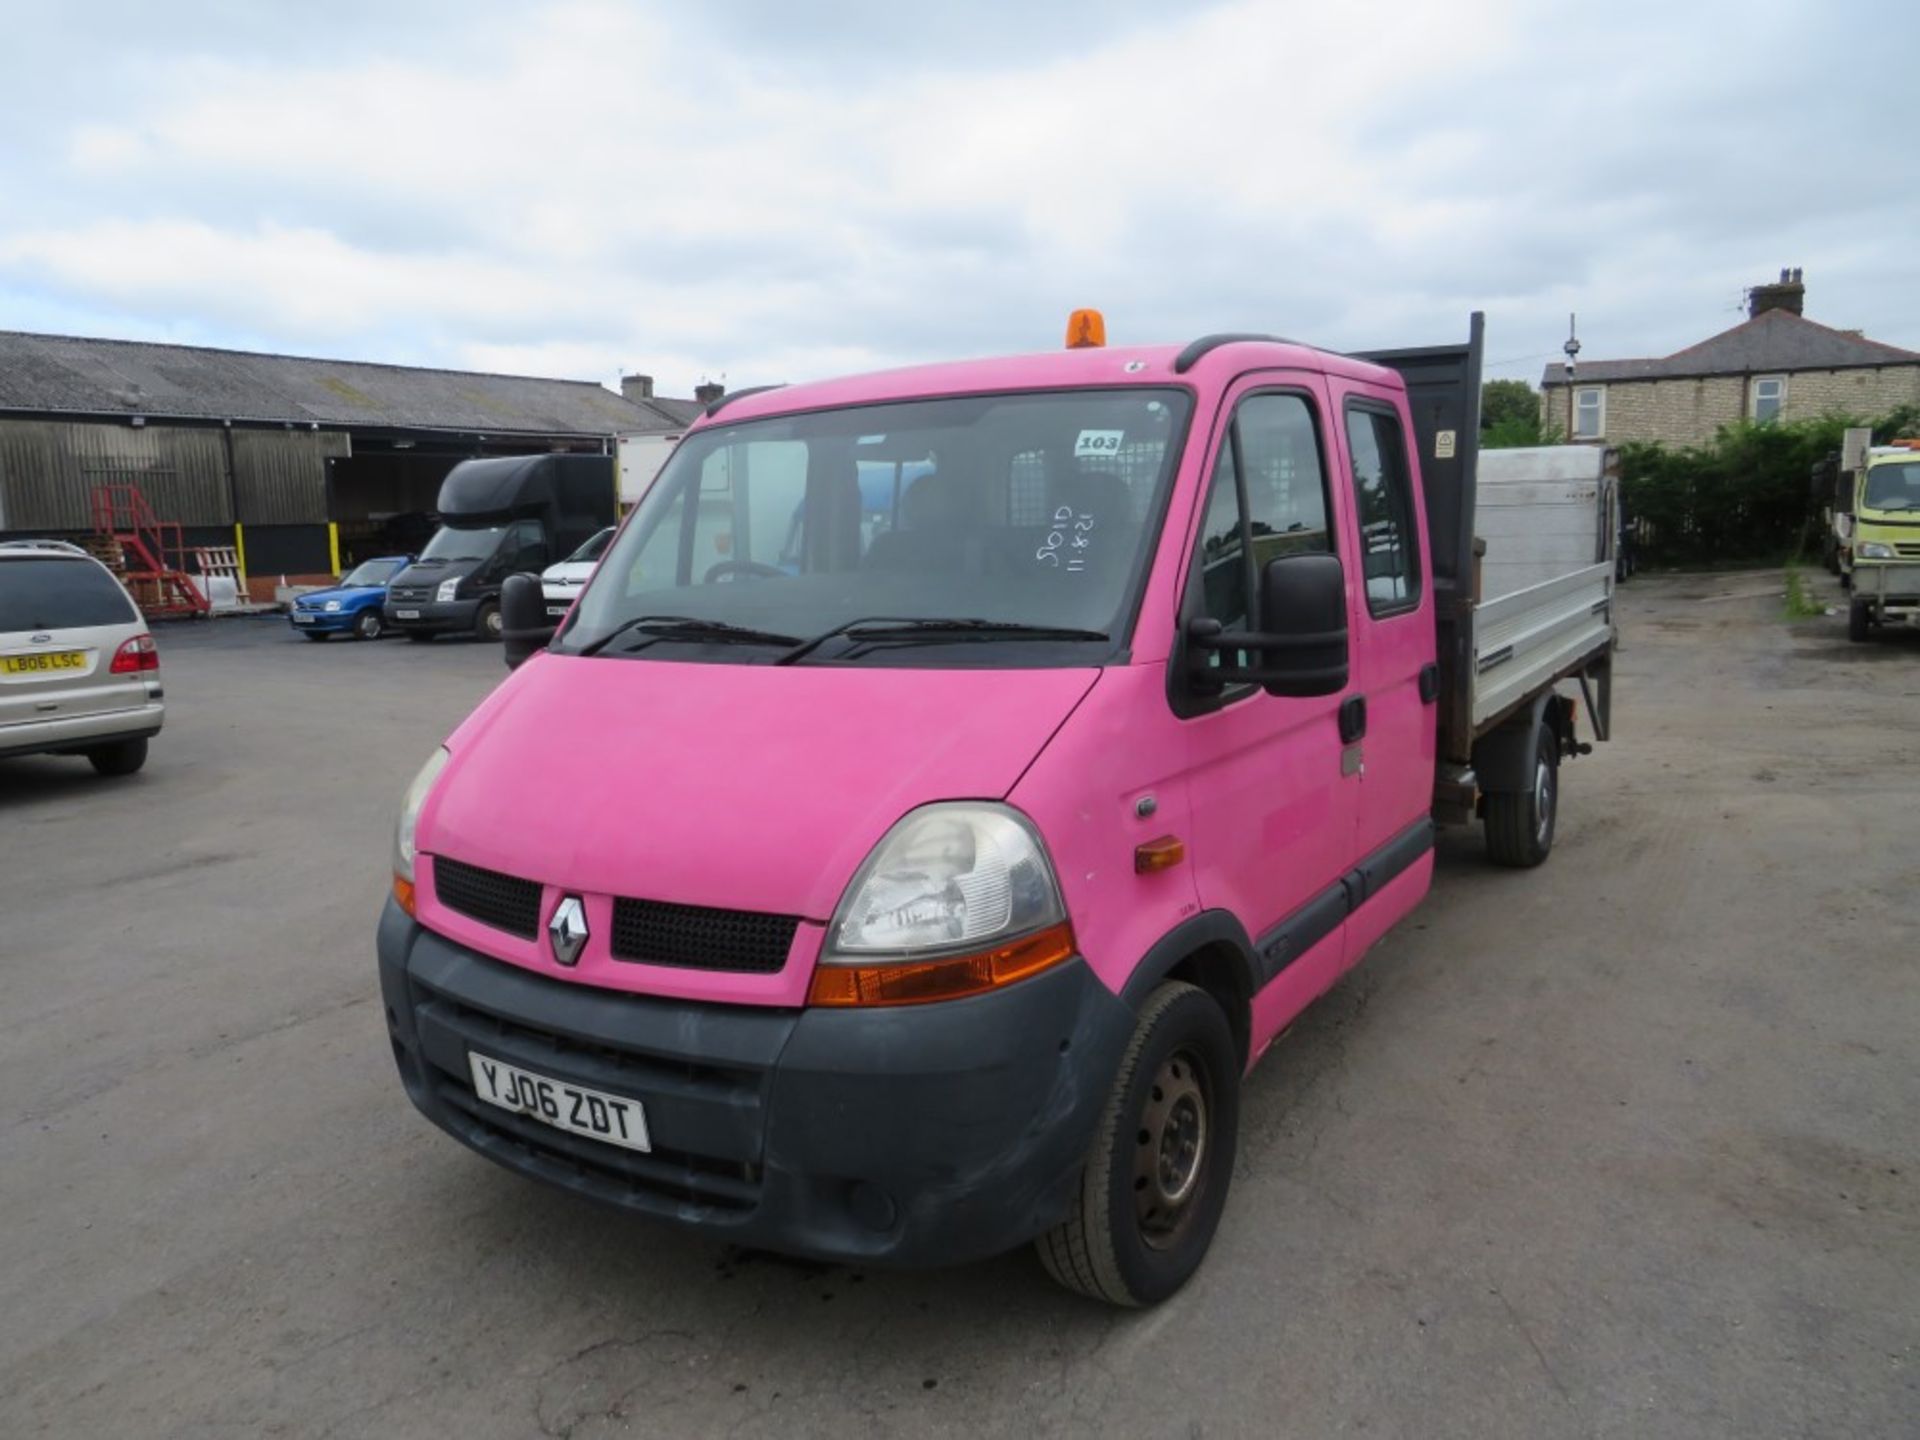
<point x="500" y="516"/>
<point x="952" y="780"/>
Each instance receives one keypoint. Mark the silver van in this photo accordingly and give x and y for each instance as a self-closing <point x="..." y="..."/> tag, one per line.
<point x="79" y="673"/>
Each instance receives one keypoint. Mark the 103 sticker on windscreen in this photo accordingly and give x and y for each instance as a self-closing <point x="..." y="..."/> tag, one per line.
<point x="1096" y="443"/>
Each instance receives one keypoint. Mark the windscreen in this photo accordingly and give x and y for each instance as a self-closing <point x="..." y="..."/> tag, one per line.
<point x="1893" y="487"/>
<point x="374" y="572"/>
<point x="593" y="549"/>
<point x="57" y="593"/>
<point x="475" y="544"/>
<point x="1032" y="510"/>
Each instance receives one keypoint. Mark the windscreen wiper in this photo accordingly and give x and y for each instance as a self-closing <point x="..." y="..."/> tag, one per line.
<point x="688" y="627"/>
<point x="934" y="631"/>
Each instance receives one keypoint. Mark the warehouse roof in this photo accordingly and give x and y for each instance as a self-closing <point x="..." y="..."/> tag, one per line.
<point x="1773" y="340"/>
<point x="74" y="375"/>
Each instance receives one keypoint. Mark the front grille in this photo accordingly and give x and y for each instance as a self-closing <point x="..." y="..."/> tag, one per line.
<point x="694" y="937"/>
<point x="502" y="901"/>
<point x="1907" y="549"/>
<point x="410" y="592"/>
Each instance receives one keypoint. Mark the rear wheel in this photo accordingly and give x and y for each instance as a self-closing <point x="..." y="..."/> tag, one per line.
<point x="1156" y="1181"/>
<point x="123" y="757"/>
<point x="1860" y="621"/>
<point x="368" y="626"/>
<point x="1520" y="823"/>
<point x="486" y="624"/>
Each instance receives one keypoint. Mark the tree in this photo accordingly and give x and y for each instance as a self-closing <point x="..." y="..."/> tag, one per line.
<point x="1510" y="417"/>
<point x="1508" y="400"/>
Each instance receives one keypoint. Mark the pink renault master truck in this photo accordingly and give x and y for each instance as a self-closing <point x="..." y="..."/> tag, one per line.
<point x="953" y="779"/>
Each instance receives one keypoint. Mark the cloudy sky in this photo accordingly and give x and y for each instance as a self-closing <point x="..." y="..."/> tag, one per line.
<point x="776" y="190"/>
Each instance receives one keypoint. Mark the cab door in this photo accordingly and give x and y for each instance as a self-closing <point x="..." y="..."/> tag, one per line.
<point x="1392" y="649"/>
<point x="1274" y="799"/>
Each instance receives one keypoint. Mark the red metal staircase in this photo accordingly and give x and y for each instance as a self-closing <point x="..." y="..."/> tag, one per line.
<point x="153" y="552"/>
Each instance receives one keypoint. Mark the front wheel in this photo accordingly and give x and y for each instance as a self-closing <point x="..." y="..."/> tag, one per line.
<point x="1860" y="621"/>
<point x="486" y="625"/>
<point x="368" y="626"/>
<point x="1156" y="1181"/>
<point x="1520" y="823"/>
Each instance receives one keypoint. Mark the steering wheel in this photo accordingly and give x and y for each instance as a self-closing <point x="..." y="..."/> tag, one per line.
<point x="741" y="567"/>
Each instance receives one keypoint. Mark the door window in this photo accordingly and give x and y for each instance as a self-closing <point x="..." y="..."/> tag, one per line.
<point x="1273" y="455"/>
<point x="1383" y="507"/>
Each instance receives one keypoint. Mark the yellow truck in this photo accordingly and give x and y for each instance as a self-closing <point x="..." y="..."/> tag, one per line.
<point x="1882" y="558"/>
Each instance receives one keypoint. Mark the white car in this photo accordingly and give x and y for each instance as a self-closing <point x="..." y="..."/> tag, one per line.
<point x="79" y="673"/>
<point x="561" y="583"/>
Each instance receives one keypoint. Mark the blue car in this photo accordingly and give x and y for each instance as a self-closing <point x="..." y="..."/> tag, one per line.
<point x="351" y="607"/>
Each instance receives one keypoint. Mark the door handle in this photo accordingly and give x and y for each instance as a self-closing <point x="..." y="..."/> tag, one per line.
<point x="1429" y="683"/>
<point x="1353" y="718"/>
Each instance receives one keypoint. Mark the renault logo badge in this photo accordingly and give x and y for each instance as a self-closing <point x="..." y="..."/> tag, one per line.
<point x="567" y="930"/>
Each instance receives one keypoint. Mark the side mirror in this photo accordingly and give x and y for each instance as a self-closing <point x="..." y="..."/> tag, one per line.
<point x="524" y="630"/>
<point x="1300" y="648"/>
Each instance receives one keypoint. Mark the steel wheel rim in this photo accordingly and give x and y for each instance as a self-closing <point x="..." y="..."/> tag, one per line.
<point x="1542" y="800"/>
<point x="494" y="624"/>
<point x="1170" y="1149"/>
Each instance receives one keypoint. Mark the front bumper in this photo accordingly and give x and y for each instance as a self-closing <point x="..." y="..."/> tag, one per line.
<point x="329" y="622"/>
<point x="916" y="1135"/>
<point x="1891" y="583"/>
<point x="431" y="616"/>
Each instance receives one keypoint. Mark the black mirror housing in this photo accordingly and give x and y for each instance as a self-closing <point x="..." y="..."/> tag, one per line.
<point x="524" y="630"/>
<point x="1301" y="647"/>
<point x="1303" y="603"/>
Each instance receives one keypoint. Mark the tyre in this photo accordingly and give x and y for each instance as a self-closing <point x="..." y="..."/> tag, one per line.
<point x="1860" y="621"/>
<point x="369" y="626"/>
<point x="1520" y="823"/>
<point x="317" y="635"/>
<point x="486" y="625"/>
<point x="419" y="637"/>
<point x="1156" y="1179"/>
<point x="122" y="757"/>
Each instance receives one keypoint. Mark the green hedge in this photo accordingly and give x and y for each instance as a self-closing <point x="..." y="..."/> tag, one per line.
<point x="1744" y="496"/>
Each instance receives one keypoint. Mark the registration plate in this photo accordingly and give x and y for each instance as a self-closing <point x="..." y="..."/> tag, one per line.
<point x="616" y="1119"/>
<point x="42" y="664"/>
<point x="407" y="614"/>
<point x="556" y="609"/>
<point x="303" y="619"/>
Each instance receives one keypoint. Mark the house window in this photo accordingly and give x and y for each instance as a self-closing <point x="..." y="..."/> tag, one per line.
<point x="1589" y="413"/>
<point x="1769" y="393"/>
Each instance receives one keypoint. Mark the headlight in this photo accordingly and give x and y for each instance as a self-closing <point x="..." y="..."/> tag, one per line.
<point x="331" y="605"/>
<point x="956" y="899"/>
<point x="448" y="587"/>
<point x="1874" y="550"/>
<point x="403" y="846"/>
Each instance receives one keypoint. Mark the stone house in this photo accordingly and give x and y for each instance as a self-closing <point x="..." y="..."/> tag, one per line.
<point x="1776" y="363"/>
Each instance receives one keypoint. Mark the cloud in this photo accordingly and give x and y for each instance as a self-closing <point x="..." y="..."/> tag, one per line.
<point x="772" y="192"/>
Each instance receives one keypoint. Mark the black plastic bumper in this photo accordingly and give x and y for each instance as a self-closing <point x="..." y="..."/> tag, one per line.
<point x="435" y="617"/>
<point x="917" y="1135"/>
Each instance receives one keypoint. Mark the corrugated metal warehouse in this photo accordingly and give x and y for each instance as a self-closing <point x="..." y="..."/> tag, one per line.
<point x="308" y="465"/>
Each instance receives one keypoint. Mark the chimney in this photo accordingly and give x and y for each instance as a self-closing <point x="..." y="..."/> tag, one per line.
<point x="637" y="387"/>
<point x="708" y="391"/>
<point x="1788" y="293"/>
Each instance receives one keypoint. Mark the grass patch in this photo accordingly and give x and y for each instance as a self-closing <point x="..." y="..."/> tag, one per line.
<point x="1801" y="603"/>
